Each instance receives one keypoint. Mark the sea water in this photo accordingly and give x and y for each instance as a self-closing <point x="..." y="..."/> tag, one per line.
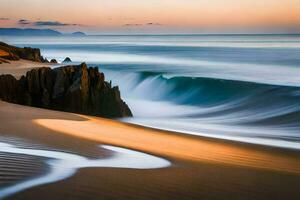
<point x="236" y="87"/>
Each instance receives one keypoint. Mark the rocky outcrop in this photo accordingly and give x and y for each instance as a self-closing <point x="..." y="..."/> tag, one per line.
<point x="78" y="33"/>
<point x="16" y="53"/>
<point x="67" y="59"/>
<point x="54" y="61"/>
<point x="77" y="89"/>
<point x="8" y="88"/>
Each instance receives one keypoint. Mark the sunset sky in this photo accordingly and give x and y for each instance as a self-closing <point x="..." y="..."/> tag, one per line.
<point x="153" y="16"/>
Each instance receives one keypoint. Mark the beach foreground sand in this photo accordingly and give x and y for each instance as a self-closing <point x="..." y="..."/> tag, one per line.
<point x="201" y="167"/>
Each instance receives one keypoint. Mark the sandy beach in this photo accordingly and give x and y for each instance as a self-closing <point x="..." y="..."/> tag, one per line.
<point x="20" y="67"/>
<point x="201" y="168"/>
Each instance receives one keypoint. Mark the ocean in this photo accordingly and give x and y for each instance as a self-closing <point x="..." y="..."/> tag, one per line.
<point x="243" y="88"/>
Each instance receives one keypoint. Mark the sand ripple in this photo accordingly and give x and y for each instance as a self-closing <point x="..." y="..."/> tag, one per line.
<point x="23" y="162"/>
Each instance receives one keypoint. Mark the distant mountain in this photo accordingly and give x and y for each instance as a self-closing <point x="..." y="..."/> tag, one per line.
<point x="78" y="34"/>
<point x="28" y="32"/>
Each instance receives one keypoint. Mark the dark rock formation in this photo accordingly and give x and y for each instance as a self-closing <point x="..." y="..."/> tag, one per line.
<point x="8" y="88"/>
<point x="75" y="89"/>
<point x="78" y="33"/>
<point x="67" y="59"/>
<point x="16" y="53"/>
<point x="53" y="61"/>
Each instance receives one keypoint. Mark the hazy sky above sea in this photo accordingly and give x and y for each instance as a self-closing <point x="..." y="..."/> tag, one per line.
<point x="154" y="16"/>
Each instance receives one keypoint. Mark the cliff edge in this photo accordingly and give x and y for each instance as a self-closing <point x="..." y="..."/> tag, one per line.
<point x="15" y="53"/>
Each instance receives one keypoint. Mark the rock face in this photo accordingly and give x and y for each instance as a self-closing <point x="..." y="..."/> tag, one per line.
<point x="8" y="88"/>
<point x="78" y="33"/>
<point x="16" y="53"/>
<point x="75" y="89"/>
<point x="54" y="61"/>
<point x="67" y="59"/>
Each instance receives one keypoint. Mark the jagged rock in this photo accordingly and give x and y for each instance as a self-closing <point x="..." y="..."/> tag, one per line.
<point x="8" y="88"/>
<point x="67" y="59"/>
<point x="77" y="89"/>
<point x="16" y="53"/>
<point x="53" y="61"/>
<point x="23" y="96"/>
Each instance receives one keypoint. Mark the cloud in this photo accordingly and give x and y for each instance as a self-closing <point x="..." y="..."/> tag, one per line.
<point x="24" y="22"/>
<point x="147" y="24"/>
<point x="4" y="18"/>
<point x="52" y="23"/>
<point x="133" y="25"/>
<point x="153" y="24"/>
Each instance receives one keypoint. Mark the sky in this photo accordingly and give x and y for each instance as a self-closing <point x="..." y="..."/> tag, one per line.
<point x="154" y="16"/>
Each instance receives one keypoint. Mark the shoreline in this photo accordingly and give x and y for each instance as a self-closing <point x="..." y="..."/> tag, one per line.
<point x="212" y="138"/>
<point x="201" y="167"/>
<point x="173" y="145"/>
<point x="185" y="148"/>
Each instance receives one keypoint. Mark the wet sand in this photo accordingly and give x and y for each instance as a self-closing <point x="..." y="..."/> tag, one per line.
<point x="201" y="168"/>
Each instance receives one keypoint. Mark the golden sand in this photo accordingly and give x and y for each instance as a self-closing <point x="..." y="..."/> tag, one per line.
<point x="172" y="144"/>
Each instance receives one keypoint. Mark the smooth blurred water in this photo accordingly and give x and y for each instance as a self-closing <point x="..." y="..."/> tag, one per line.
<point x="237" y="87"/>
